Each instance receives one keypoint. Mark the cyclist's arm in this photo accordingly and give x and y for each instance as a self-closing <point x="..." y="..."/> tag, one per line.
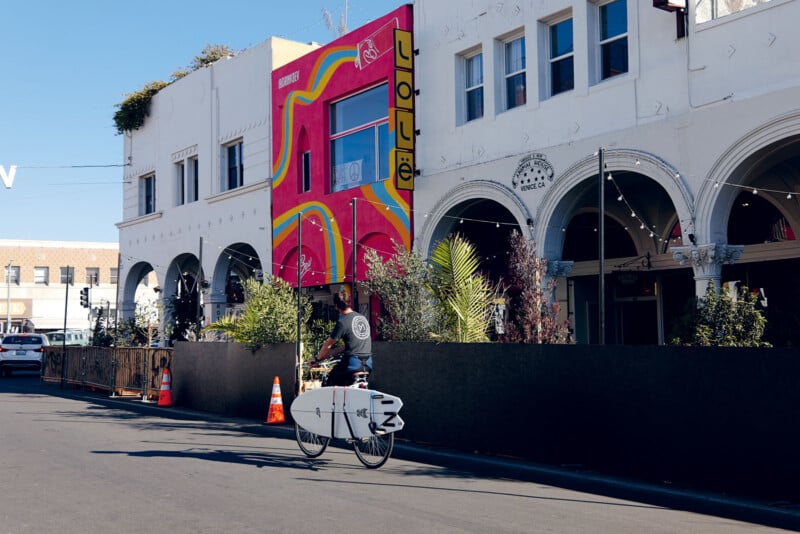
<point x="329" y="350"/>
<point x="325" y="349"/>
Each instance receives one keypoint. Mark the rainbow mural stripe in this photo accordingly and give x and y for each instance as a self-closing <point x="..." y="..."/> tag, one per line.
<point x="385" y="199"/>
<point x="286" y="225"/>
<point x="323" y="71"/>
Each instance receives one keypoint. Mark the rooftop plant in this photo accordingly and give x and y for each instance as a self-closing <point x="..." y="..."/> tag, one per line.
<point x="132" y="111"/>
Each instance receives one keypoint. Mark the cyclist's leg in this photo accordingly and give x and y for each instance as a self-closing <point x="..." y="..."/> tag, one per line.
<point x="339" y="376"/>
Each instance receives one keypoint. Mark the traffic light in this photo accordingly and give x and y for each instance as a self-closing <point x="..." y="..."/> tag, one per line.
<point x="85" y="297"/>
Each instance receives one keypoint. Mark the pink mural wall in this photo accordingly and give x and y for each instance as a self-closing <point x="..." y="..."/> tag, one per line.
<point x="343" y="134"/>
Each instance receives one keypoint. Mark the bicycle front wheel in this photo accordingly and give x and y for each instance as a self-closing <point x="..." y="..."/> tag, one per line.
<point x="311" y="444"/>
<point x="374" y="450"/>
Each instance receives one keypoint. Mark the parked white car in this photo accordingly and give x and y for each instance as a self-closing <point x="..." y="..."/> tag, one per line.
<point x="22" y="351"/>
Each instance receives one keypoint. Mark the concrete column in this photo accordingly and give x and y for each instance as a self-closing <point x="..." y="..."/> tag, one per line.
<point x="707" y="261"/>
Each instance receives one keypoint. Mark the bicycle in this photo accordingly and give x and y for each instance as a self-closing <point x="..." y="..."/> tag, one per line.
<point x="372" y="451"/>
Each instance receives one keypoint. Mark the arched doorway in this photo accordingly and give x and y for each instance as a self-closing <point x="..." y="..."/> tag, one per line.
<point x="182" y="286"/>
<point x="764" y="216"/>
<point x="644" y="290"/>
<point x="235" y="264"/>
<point x="486" y="224"/>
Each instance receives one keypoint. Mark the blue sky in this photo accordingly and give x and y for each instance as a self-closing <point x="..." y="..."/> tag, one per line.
<point x="68" y="63"/>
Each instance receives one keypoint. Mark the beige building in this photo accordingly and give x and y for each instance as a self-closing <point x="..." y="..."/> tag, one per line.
<point x="37" y="286"/>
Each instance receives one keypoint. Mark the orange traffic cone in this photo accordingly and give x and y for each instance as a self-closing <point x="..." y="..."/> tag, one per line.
<point x="165" y="395"/>
<point x="275" y="414"/>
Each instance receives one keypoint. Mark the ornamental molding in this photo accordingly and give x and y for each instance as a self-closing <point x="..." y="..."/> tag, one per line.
<point x="559" y="268"/>
<point x="707" y="258"/>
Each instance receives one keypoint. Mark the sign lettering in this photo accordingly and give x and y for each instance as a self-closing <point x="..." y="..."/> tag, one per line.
<point x="403" y="50"/>
<point x="404" y="89"/>
<point x="404" y="170"/>
<point x="288" y="79"/>
<point x="404" y="129"/>
<point x="8" y="178"/>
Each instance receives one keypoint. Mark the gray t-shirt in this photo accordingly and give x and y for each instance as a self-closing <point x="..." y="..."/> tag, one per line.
<point x="354" y="329"/>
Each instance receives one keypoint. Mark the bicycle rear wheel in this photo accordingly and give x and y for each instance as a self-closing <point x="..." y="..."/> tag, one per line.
<point x="374" y="450"/>
<point x="311" y="444"/>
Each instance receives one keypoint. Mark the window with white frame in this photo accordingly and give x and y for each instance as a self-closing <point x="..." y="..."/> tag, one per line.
<point x="360" y="144"/>
<point x="41" y="275"/>
<point x="514" y="52"/>
<point x="234" y="165"/>
<point x="11" y="274"/>
<point x="93" y="276"/>
<point x="561" y="56"/>
<point x="473" y="77"/>
<point x="147" y="194"/>
<point x="113" y="275"/>
<point x="187" y="176"/>
<point x="613" y="38"/>
<point x="180" y="183"/>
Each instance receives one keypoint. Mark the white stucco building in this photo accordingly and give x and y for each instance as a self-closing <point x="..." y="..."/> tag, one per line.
<point x="699" y="133"/>
<point x="196" y="199"/>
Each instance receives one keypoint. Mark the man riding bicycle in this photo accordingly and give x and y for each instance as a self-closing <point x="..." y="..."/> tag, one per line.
<point x="354" y="329"/>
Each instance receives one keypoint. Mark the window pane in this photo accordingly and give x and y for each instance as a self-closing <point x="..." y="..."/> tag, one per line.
<point x="306" y="170"/>
<point x="475" y="104"/>
<point x="474" y="67"/>
<point x="11" y="275"/>
<point x="41" y="275"/>
<point x="615" y="58"/>
<point x="515" y="90"/>
<point x="561" y="38"/>
<point x="613" y="19"/>
<point x="148" y="185"/>
<point x="181" y="177"/>
<point x="360" y="109"/>
<point x="353" y="160"/>
<point x="561" y="74"/>
<point x="194" y="178"/>
<point x="235" y="162"/>
<point x="67" y="275"/>
<point x="515" y="55"/>
<point x="384" y="149"/>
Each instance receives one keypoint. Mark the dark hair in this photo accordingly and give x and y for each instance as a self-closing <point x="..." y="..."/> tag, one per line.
<point x="341" y="300"/>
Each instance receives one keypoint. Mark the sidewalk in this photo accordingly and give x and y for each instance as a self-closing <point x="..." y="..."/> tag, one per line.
<point x="774" y="514"/>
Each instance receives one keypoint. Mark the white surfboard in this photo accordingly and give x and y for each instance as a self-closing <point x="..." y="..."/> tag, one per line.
<point x="344" y="412"/>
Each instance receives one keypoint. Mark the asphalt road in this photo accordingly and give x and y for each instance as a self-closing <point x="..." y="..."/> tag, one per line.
<point x="73" y="461"/>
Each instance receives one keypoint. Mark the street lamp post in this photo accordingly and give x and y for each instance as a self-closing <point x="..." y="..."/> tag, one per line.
<point x="601" y="249"/>
<point x="8" y="296"/>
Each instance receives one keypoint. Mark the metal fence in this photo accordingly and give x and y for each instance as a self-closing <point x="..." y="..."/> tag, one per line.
<point x="123" y="371"/>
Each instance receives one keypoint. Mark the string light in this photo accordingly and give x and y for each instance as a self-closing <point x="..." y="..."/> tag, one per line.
<point x="405" y="209"/>
<point x="754" y="190"/>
